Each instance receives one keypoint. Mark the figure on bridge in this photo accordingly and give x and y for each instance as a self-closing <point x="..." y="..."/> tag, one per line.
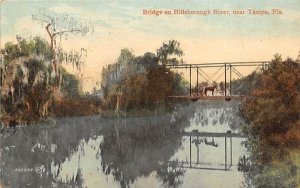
<point x="212" y="143"/>
<point x="211" y="88"/>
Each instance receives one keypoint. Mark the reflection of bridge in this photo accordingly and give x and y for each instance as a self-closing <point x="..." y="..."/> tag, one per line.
<point x="201" y="97"/>
<point x="223" y="69"/>
<point x="195" y="133"/>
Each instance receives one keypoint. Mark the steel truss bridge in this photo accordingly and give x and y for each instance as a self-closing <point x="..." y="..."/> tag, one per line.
<point x="227" y="69"/>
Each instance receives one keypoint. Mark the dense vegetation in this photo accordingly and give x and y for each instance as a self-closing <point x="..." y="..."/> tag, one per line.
<point x="33" y="88"/>
<point x="142" y="82"/>
<point x="273" y="115"/>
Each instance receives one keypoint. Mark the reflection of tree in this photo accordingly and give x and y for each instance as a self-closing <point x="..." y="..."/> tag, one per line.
<point x="171" y="176"/>
<point x="32" y="147"/>
<point x="227" y="114"/>
<point x="129" y="152"/>
<point x="131" y="148"/>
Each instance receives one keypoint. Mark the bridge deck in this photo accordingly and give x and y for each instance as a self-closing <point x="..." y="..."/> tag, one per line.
<point x="227" y="98"/>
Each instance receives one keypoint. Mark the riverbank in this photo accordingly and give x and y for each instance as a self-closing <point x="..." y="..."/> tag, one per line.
<point x="85" y="106"/>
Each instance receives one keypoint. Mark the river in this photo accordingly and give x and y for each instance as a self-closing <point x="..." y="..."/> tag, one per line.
<point x="127" y="152"/>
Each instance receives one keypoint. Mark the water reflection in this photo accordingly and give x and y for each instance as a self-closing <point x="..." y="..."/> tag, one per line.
<point x="131" y="149"/>
<point x="102" y="152"/>
<point x="27" y="153"/>
<point x="171" y="175"/>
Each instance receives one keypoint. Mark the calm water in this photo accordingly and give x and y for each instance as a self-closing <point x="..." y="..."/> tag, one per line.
<point x="129" y="152"/>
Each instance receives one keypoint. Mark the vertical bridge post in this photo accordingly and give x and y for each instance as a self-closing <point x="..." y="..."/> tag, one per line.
<point x="225" y="81"/>
<point x="198" y="149"/>
<point x="190" y="151"/>
<point x="197" y="82"/>
<point x="225" y="153"/>
<point x="190" y="80"/>
<point x="230" y="150"/>
<point x="230" y="80"/>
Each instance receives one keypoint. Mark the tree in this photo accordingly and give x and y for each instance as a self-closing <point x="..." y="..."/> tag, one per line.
<point x="10" y="52"/>
<point x="141" y="83"/>
<point x="27" y="82"/>
<point x="273" y="125"/>
<point x="167" y="51"/>
<point x="62" y="26"/>
<point x="273" y="109"/>
<point x="70" y="85"/>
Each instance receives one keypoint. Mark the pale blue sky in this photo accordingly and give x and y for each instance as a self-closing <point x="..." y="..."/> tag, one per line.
<point x="127" y="11"/>
<point x="120" y="24"/>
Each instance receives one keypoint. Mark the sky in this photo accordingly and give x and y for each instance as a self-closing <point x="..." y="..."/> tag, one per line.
<point x="121" y="24"/>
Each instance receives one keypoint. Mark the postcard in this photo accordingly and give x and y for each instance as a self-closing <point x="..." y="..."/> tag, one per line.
<point x="149" y="94"/>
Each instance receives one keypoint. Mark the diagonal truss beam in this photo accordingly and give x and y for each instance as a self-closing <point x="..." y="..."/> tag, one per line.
<point x="227" y="65"/>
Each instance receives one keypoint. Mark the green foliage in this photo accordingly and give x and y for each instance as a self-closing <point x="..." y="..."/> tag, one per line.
<point x="143" y="81"/>
<point x="168" y="50"/>
<point x="272" y="112"/>
<point x="34" y="66"/>
<point x="26" y="47"/>
<point x="277" y="175"/>
<point x="148" y="60"/>
<point x="246" y="85"/>
<point x="126" y="65"/>
<point x="24" y="103"/>
<point x="29" y="85"/>
<point x="11" y="51"/>
<point x="36" y="46"/>
<point x="149" y="90"/>
<point x="126" y="55"/>
<point x="70" y="85"/>
<point x="274" y="107"/>
<point x="133" y="90"/>
<point x="140" y="83"/>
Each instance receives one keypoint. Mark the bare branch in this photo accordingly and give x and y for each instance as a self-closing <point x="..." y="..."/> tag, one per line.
<point x="67" y="31"/>
<point x="47" y="29"/>
<point x="62" y="25"/>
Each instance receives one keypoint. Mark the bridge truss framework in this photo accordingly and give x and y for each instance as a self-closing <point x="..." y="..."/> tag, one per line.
<point x="227" y="67"/>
